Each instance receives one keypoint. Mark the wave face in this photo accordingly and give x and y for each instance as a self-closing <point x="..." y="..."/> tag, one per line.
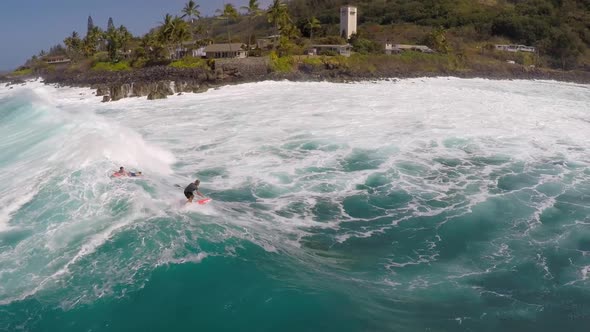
<point x="426" y="204"/>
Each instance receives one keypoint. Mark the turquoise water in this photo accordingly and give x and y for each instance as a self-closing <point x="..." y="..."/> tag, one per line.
<point x="421" y="205"/>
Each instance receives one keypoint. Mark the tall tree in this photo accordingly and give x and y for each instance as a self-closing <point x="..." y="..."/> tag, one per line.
<point x="113" y="44"/>
<point x="437" y="40"/>
<point x="253" y="11"/>
<point x="110" y="25"/>
<point x="312" y="24"/>
<point x="152" y="47"/>
<point x="126" y="36"/>
<point x="565" y="47"/>
<point x="278" y="15"/>
<point x="90" y="25"/>
<point x="181" y="30"/>
<point x="190" y="10"/>
<point x="73" y="44"/>
<point x="166" y="31"/>
<point x="116" y="40"/>
<point x="229" y="13"/>
<point x="93" y="39"/>
<point x="174" y="30"/>
<point x="57" y="50"/>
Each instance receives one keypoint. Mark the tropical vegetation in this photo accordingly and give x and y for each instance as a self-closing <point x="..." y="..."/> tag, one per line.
<point x="462" y="32"/>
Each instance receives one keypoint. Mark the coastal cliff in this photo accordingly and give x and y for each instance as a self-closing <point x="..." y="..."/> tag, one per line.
<point x="158" y="82"/>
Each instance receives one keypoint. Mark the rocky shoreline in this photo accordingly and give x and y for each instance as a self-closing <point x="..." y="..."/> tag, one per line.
<point x="162" y="81"/>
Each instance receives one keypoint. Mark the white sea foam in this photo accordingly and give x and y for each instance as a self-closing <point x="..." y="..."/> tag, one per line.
<point x="282" y="149"/>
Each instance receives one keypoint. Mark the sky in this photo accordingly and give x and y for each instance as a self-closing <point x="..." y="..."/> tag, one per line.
<point x="29" y="26"/>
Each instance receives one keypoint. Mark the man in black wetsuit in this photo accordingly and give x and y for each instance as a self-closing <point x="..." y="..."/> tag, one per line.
<point x="190" y="189"/>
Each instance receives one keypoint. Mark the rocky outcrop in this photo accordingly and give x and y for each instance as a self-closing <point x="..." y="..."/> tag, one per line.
<point x="120" y="91"/>
<point x="157" y="95"/>
<point x="154" y="82"/>
<point x="102" y="90"/>
<point x="249" y="68"/>
<point x="162" y="81"/>
<point x="106" y="78"/>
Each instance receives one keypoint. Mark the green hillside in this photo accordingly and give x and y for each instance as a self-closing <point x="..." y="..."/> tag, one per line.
<point x="463" y="32"/>
<point x="558" y="28"/>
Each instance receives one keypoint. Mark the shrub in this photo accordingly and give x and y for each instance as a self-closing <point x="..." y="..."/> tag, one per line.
<point x="313" y="61"/>
<point x="79" y="66"/>
<point x="139" y="62"/>
<point x="22" y="72"/>
<point x="190" y="62"/>
<point x="109" y="66"/>
<point x="365" y="46"/>
<point x="101" y="57"/>
<point x="284" y="64"/>
<point x="331" y="40"/>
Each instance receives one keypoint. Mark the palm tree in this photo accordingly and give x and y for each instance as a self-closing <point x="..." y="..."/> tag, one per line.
<point x="110" y="24"/>
<point x="93" y="39"/>
<point x="229" y="13"/>
<point x="191" y="9"/>
<point x="113" y="43"/>
<point x="174" y="30"/>
<point x="73" y="43"/>
<point x="151" y="45"/>
<point x="312" y="23"/>
<point x="124" y="36"/>
<point x="278" y="16"/>
<point x="181" y="30"/>
<point x="253" y="11"/>
<point x="166" y="32"/>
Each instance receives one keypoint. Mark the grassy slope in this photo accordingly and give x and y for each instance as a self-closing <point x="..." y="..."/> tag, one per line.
<point x="465" y="42"/>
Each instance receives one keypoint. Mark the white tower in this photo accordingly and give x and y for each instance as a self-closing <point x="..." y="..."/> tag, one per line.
<point x="348" y="21"/>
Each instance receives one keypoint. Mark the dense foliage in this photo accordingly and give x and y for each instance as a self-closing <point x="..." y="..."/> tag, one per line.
<point x="559" y="29"/>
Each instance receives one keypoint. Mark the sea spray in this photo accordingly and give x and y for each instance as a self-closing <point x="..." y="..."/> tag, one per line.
<point x="424" y="204"/>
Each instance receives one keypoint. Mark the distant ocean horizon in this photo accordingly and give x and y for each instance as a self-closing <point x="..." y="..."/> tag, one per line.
<point x="430" y="204"/>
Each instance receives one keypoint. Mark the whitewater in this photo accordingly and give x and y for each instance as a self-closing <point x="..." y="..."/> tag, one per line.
<point x="437" y="204"/>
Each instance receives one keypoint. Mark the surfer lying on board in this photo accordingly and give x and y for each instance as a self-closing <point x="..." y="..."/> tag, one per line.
<point x="190" y="189"/>
<point x="122" y="171"/>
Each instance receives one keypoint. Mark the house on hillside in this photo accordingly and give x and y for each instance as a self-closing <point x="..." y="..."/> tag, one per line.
<point x="56" y="59"/>
<point x="189" y="48"/>
<point x="343" y="50"/>
<point x="515" y="48"/>
<point x="225" y="51"/>
<point x="399" y="48"/>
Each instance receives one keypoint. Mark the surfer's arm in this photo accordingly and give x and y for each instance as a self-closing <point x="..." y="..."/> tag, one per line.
<point x="199" y="193"/>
